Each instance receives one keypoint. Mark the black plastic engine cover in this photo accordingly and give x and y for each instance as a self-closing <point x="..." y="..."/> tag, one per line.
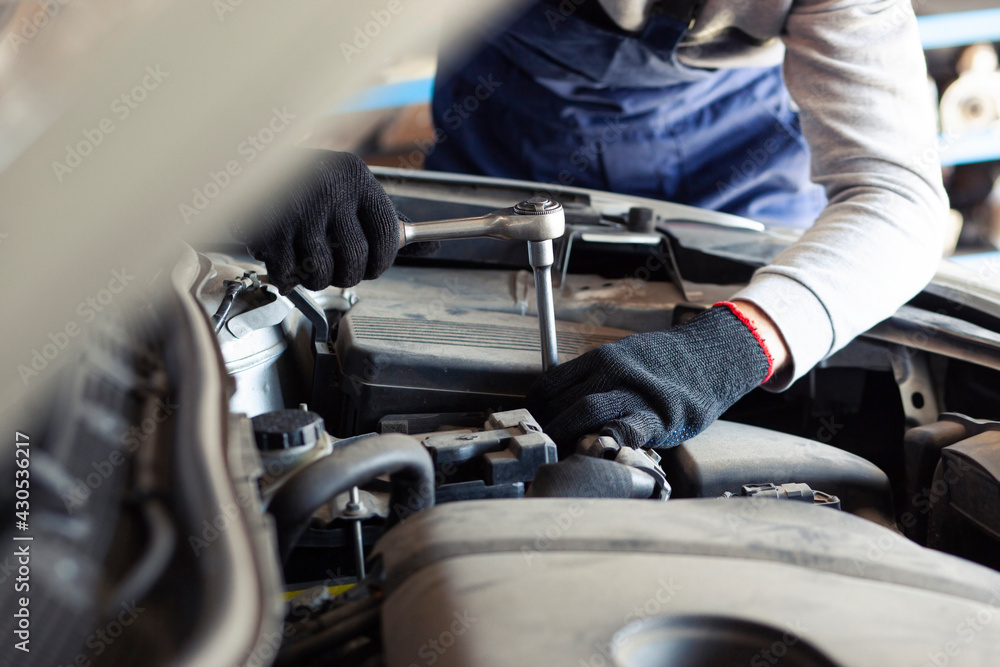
<point x="424" y="358"/>
<point x="728" y="455"/>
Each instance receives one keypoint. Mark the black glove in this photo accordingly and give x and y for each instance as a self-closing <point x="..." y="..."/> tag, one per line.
<point x="335" y="225"/>
<point x="653" y="389"/>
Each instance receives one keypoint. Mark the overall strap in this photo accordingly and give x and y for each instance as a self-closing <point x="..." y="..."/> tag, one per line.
<point x="685" y="11"/>
<point x="563" y="45"/>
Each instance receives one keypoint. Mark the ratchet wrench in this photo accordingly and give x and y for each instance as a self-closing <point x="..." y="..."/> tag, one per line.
<point x="538" y="221"/>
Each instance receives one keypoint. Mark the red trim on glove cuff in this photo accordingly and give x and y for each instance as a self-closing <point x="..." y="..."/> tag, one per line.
<point x="756" y="334"/>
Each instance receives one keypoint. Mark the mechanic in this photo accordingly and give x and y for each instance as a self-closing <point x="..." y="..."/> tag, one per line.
<point x="691" y="102"/>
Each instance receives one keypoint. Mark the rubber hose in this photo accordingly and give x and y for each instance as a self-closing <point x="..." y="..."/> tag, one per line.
<point x="585" y="477"/>
<point x="404" y="459"/>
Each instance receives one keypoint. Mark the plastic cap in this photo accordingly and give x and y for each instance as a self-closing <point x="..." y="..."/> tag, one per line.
<point x="285" y="429"/>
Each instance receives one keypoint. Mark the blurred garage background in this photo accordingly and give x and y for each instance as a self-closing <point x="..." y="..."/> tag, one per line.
<point x="960" y="38"/>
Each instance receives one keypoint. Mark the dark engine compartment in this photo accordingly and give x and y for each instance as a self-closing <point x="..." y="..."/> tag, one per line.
<point x="441" y="344"/>
<point x="347" y="412"/>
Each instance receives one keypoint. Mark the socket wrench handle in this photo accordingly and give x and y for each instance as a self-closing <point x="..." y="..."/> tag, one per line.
<point x="538" y="221"/>
<point x="515" y="223"/>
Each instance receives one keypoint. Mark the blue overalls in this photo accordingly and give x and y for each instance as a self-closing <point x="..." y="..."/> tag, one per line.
<point x="559" y="99"/>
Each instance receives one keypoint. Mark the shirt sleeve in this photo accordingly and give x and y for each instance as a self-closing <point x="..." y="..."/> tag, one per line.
<point x="856" y="70"/>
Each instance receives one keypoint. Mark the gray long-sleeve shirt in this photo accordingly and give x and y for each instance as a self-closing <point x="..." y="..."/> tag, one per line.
<point x="856" y="70"/>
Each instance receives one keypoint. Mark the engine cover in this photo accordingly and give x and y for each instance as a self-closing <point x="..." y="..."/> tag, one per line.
<point x="689" y="582"/>
<point x="412" y="358"/>
<point x="727" y="455"/>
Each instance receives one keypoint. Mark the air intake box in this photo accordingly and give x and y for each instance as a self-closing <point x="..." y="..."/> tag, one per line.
<point x="964" y="498"/>
<point x="417" y="358"/>
<point x="727" y="455"/>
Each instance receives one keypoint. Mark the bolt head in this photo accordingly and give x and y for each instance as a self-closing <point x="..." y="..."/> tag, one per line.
<point x="537" y="206"/>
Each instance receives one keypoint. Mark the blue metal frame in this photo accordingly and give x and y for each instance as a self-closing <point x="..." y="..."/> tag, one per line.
<point x="390" y="95"/>
<point x="971" y="147"/>
<point x="959" y="28"/>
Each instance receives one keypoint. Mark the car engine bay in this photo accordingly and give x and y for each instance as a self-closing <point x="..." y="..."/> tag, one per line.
<point x="351" y="476"/>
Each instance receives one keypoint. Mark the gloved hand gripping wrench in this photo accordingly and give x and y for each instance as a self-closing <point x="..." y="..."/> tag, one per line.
<point x="537" y="220"/>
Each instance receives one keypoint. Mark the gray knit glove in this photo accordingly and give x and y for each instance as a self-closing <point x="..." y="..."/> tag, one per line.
<point x="654" y="389"/>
